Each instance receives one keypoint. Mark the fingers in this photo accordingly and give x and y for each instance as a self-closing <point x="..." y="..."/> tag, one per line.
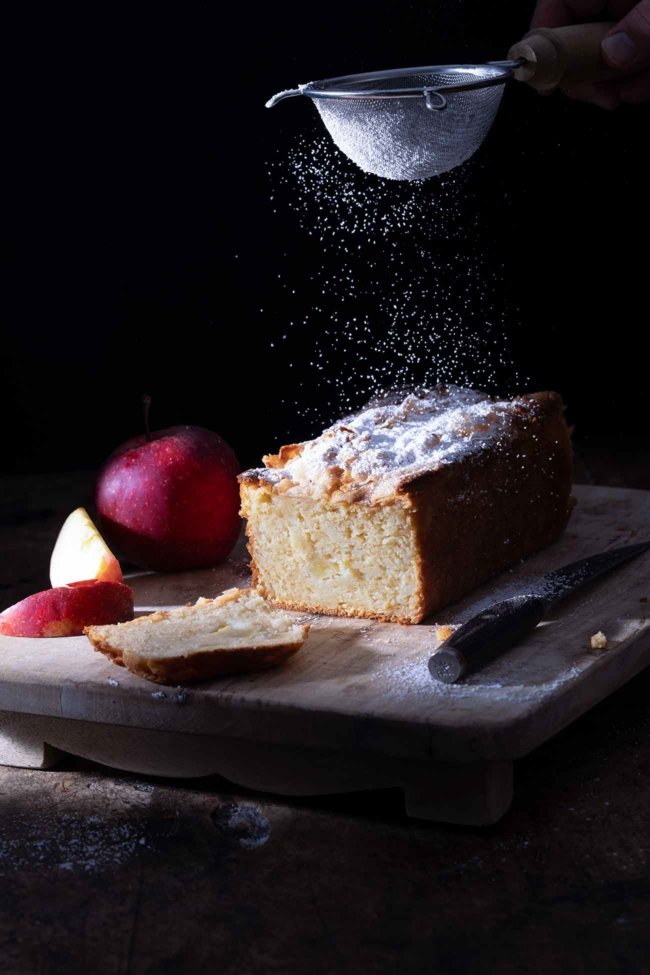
<point x="559" y="13"/>
<point x="627" y="46"/>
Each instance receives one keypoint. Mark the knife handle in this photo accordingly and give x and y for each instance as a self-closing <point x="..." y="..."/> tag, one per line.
<point x="486" y="636"/>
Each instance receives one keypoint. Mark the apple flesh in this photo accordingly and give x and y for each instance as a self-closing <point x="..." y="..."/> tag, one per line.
<point x="170" y="501"/>
<point x="81" y="553"/>
<point x="65" y="611"/>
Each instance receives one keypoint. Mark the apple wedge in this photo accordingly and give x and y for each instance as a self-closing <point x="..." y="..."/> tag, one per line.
<point x="65" y="611"/>
<point x="81" y="553"/>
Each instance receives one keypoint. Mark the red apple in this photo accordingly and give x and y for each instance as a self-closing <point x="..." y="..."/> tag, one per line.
<point x="169" y="500"/>
<point x="81" y="553"/>
<point x="65" y="611"/>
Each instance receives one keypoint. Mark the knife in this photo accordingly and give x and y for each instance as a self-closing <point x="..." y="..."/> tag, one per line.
<point x="502" y="625"/>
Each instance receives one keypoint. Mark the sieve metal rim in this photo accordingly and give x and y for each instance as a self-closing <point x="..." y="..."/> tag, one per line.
<point x="339" y="87"/>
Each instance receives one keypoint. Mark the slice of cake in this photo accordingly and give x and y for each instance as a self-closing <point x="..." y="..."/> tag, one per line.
<point x="400" y="509"/>
<point x="235" y="632"/>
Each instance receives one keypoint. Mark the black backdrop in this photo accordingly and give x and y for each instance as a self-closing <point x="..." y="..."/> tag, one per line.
<point x="143" y="241"/>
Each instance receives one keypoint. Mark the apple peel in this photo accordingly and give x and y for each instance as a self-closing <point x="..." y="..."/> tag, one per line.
<point x="66" y="610"/>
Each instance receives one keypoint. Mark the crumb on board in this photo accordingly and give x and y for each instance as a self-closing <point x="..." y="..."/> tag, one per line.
<point x="444" y="631"/>
<point x="599" y="641"/>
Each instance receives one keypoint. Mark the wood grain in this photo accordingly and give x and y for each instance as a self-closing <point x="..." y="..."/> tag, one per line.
<point x="360" y="688"/>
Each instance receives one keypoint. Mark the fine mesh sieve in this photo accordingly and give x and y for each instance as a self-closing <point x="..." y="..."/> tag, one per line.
<point x="410" y="124"/>
<point x="414" y="123"/>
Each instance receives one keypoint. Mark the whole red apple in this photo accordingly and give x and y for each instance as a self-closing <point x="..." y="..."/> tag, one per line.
<point x="169" y="500"/>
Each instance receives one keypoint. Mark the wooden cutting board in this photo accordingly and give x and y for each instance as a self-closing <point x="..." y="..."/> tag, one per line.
<point x="356" y="708"/>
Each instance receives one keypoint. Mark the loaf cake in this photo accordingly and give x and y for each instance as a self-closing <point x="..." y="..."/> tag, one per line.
<point x="237" y="631"/>
<point x="400" y="509"/>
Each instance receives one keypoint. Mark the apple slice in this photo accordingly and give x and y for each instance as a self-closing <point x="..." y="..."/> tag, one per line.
<point x="65" y="611"/>
<point x="81" y="553"/>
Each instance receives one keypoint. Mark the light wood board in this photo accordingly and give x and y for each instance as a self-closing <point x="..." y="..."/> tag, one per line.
<point x="356" y="708"/>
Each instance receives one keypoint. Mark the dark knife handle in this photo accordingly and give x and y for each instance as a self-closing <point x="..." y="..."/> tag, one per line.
<point x="486" y="636"/>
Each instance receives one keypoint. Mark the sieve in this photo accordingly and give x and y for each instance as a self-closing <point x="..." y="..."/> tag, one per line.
<point x="413" y="123"/>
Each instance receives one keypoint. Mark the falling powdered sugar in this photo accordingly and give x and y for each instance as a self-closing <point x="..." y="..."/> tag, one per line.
<point x="342" y="208"/>
<point x="390" y="287"/>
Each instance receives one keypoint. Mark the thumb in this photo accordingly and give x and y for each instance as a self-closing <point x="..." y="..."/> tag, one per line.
<point x="627" y="46"/>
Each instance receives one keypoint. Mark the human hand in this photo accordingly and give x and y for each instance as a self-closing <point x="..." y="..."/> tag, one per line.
<point x="626" y="48"/>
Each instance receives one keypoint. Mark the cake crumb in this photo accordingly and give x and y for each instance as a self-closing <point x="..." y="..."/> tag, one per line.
<point x="599" y="641"/>
<point x="444" y="631"/>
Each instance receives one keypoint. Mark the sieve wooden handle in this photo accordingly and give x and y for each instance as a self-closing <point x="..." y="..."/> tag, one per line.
<point x="562" y="56"/>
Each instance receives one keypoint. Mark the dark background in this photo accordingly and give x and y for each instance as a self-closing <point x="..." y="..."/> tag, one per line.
<point x="142" y="241"/>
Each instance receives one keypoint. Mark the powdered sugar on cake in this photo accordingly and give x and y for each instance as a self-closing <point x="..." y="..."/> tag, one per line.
<point x="390" y="442"/>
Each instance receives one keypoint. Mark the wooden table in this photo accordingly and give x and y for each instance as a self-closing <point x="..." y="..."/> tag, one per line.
<point x="111" y="873"/>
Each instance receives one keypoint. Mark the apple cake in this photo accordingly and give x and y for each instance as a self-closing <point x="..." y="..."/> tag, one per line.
<point x="236" y="632"/>
<point x="401" y="508"/>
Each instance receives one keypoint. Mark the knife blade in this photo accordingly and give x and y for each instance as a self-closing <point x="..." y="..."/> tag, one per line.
<point x="500" y="626"/>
